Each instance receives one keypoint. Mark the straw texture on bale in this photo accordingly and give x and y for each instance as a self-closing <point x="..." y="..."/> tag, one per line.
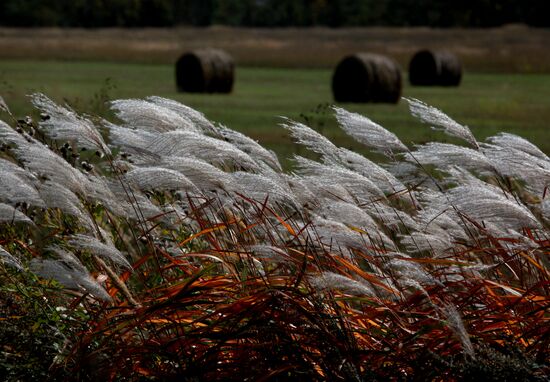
<point x="366" y="77"/>
<point x="435" y="68"/>
<point x="205" y="71"/>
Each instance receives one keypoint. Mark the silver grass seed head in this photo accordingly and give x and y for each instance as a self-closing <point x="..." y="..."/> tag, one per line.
<point x="362" y="188"/>
<point x="56" y="196"/>
<point x="334" y="281"/>
<point x="205" y="176"/>
<point x="159" y="179"/>
<point x="512" y="141"/>
<point x="128" y="138"/>
<point x="484" y="204"/>
<point x="250" y="147"/>
<point x="532" y="170"/>
<point x="98" y="248"/>
<point x="262" y="188"/>
<point x="198" y="118"/>
<point x="214" y="151"/>
<point x="440" y="121"/>
<point x="4" y="106"/>
<point x="16" y="190"/>
<point x="306" y="136"/>
<point x="346" y="213"/>
<point x="365" y="167"/>
<point x="454" y="321"/>
<point x="10" y="215"/>
<point x="369" y="133"/>
<point x="149" y="116"/>
<point x="418" y="242"/>
<point x="9" y="136"/>
<point x="69" y="276"/>
<point x="446" y="155"/>
<point x="64" y="124"/>
<point x="10" y="260"/>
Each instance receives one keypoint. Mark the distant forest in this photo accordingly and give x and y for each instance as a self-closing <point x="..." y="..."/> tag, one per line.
<point x="273" y="13"/>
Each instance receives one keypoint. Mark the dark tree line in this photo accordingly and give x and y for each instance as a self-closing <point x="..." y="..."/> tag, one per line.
<point x="271" y="13"/>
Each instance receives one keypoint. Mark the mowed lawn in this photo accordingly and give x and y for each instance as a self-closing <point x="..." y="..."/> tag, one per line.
<point x="487" y="103"/>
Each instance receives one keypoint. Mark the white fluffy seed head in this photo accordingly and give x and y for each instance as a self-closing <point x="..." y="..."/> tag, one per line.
<point x="440" y="121"/>
<point x="369" y="133"/>
<point x="66" y="125"/>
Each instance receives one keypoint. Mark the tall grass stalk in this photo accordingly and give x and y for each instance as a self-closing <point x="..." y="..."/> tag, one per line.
<point x="177" y="248"/>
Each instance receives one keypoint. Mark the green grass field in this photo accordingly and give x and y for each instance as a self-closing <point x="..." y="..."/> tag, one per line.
<point x="487" y="103"/>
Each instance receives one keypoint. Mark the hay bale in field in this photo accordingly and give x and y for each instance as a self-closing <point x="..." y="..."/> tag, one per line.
<point x="367" y="77"/>
<point x="435" y="68"/>
<point x="205" y="71"/>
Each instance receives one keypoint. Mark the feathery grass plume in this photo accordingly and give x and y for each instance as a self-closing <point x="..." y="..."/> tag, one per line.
<point x="193" y="115"/>
<point x="7" y="258"/>
<point x="486" y="205"/>
<point x="250" y="147"/>
<point x="438" y="215"/>
<point x="409" y="174"/>
<point x="443" y="222"/>
<point x="335" y="235"/>
<point x="211" y="150"/>
<point x="515" y="142"/>
<point x="98" y="248"/>
<point x="362" y="188"/>
<point x="346" y="213"/>
<point x="261" y="188"/>
<point x="204" y="175"/>
<point x="440" y="121"/>
<point x="10" y="167"/>
<point x="533" y="170"/>
<point x="455" y="323"/>
<point x="369" y="133"/>
<point x="336" y="156"/>
<point x="3" y="106"/>
<point x="513" y="242"/>
<point x="98" y="190"/>
<point x="435" y="244"/>
<point x="15" y="190"/>
<point x="159" y="178"/>
<point x="56" y="196"/>
<point x="445" y="155"/>
<point x="131" y="203"/>
<point x="128" y="138"/>
<point x="363" y="166"/>
<point x="361" y="222"/>
<point x="65" y="124"/>
<point x="299" y="187"/>
<point x="320" y="187"/>
<point x="306" y="136"/>
<point x="481" y="203"/>
<point x="339" y="238"/>
<point x="9" y="215"/>
<point x="151" y="117"/>
<point x="9" y="136"/>
<point x="268" y="252"/>
<point x="408" y="272"/>
<point x="335" y="281"/>
<point x="69" y="272"/>
<point x="391" y="217"/>
<point x="244" y="278"/>
<point x="46" y="164"/>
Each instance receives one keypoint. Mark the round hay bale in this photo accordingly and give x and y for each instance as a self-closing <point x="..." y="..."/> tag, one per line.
<point x="435" y="68"/>
<point x="205" y="71"/>
<point x="367" y="77"/>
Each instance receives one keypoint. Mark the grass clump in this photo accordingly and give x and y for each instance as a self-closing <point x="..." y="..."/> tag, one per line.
<point x="178" y="249"/>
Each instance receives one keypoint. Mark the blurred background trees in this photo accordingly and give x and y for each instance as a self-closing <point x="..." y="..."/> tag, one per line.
<point x="272" y="13"/>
